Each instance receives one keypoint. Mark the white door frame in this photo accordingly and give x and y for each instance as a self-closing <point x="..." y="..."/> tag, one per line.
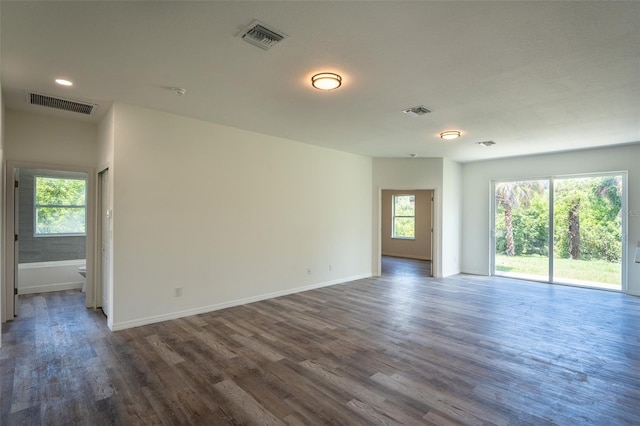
<point x="435" y="233"/>
<point x="9" y="228"/>
<point x="100" y="271"/>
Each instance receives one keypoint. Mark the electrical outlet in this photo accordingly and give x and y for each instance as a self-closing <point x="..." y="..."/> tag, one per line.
<point x="308" y="271"/>
<point x="177" y="292"/>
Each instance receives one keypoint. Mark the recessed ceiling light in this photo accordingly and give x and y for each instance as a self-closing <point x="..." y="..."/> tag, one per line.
<point x="63" y="82"/>
<point x="450" y="134"/>
<point x="326" y="81"/>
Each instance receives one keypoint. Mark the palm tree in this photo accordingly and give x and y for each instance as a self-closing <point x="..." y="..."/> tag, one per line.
<point x="609" y="188"/>
<point x="510" y="195"/>
<point x="574" y="229"/>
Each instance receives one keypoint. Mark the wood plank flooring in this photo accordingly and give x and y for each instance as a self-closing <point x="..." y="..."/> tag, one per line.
<point x="400" y="349"/>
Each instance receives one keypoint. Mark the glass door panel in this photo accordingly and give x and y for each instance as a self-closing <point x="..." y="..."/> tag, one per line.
<point x="587" y="222"/>
<point x="522" y="229"/>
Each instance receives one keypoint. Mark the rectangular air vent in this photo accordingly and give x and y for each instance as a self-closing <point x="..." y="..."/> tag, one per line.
<point x="416" y="111"/>
<point x="261" y="35"/>
<point x="60" y="103"/>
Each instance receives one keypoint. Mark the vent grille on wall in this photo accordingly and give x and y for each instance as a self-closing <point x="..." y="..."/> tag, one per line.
<point x="60" y="103"/>
<point x="262" y="36"/>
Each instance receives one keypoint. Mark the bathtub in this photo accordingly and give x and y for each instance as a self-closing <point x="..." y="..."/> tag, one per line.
<point x="40" y="277"/>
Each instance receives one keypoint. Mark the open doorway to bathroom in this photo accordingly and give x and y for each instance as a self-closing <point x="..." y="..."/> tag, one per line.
<point x="50" y="217"/>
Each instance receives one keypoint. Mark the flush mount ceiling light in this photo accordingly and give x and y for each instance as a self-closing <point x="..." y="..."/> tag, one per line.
<point x="63" y="82"/>
<point x="326" y="81"/>
<point x="450" y="134"/>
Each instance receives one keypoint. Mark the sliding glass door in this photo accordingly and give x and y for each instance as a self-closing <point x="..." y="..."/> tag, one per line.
<point x="521" y="229"/>
<point x="587" y="232"/>
<point x="566" y="230"/>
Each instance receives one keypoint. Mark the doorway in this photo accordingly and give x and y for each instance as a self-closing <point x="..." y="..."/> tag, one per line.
<point x="406" y="219"/>
<point x="49" y="224"/>
<point x="563" y="229"/>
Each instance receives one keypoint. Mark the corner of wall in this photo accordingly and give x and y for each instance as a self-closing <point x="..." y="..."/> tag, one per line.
<point x="451" y="217"/>
<point x="2" y="228"/>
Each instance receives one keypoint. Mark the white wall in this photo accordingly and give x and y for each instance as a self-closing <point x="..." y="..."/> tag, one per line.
<point x="2" y="225"/>
<point x="410" y="173"/>
<point x="228" y="215"/>
<point x="106" y="141"/>
<point x="38" y="138"/>
<point x="451" y="217"/>
<point x="476" y="178"/>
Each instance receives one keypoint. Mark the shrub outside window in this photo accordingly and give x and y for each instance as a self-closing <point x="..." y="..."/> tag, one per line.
<point x="60" y="206"/>
<point x="404" y="217"/>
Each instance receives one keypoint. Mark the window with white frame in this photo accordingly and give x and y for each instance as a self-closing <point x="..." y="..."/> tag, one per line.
<point x="404" y="217"/>
<point x="60" y="206"/>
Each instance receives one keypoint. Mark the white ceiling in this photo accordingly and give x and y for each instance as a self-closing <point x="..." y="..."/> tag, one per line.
<point x="532" y="76"/>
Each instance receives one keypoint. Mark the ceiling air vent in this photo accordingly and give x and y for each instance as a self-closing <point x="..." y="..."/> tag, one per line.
<point x="261" y="35"/>
<point x="60" y="103"/>
<point x="416" y="111"/>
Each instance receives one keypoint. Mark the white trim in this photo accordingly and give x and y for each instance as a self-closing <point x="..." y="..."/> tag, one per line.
<point x="210" y="308"/>
<point x="75" y="285"/>
<point x="404" y="256"/>
<point x="52" y="263"/>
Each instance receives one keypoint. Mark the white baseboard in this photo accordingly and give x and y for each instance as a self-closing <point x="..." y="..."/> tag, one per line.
<point x="51" y="287"/>
<point x="210" y="308"/>
<point x="404" y="256"/>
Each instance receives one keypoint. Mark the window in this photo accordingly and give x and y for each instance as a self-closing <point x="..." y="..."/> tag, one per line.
<point x="404" y="217"/>
<point x="60" y="206"/>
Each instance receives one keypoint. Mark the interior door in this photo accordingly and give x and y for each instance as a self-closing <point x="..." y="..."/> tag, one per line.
<point x="105" y="233"/>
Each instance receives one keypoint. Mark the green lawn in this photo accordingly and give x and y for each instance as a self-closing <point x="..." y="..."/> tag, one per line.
<point x="598" y="271"/>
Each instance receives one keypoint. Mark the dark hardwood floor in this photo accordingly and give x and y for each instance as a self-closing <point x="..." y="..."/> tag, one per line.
<point x="400" y="267"/>
<point x="400" y="349"/>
